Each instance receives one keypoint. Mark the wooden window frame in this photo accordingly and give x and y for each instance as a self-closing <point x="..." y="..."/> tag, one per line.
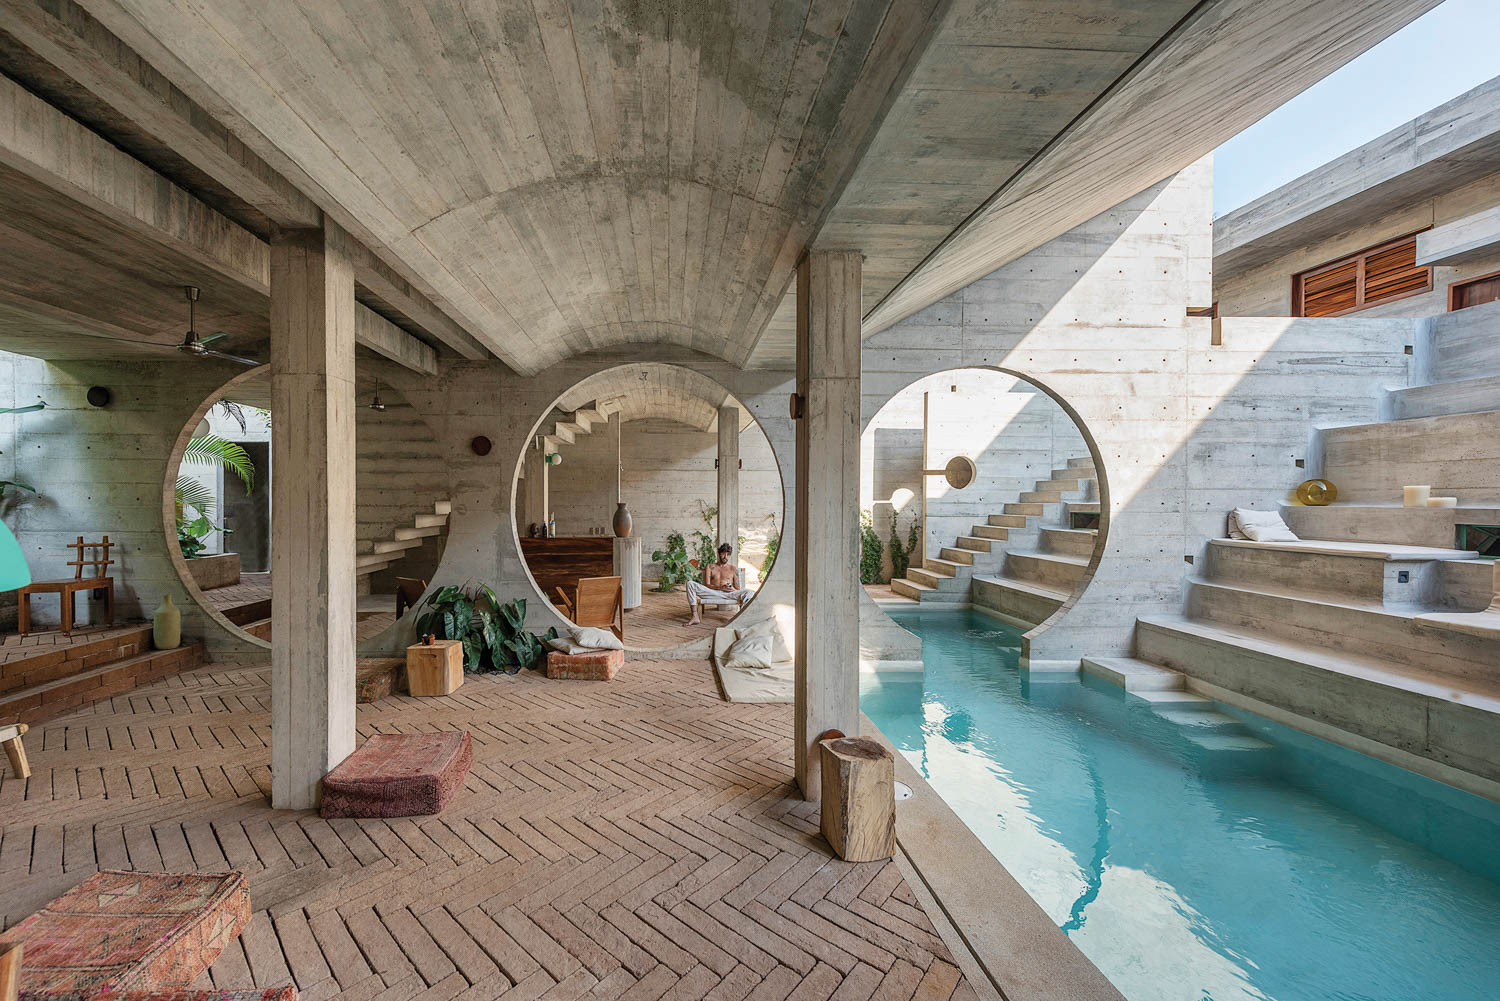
<point x="1359" y="257"/>
<point x="1453" y="287"/>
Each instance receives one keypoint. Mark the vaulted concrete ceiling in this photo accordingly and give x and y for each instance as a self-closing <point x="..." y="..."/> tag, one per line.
<point x="653" y="391"/>
<point x="560" y="175"/>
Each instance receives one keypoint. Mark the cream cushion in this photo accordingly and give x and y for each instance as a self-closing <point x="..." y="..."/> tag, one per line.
<point x="582" y="639"/>
<point x="779" y="652"/>
<point x="749" y="652"/>
<point x="1261" y="526"/>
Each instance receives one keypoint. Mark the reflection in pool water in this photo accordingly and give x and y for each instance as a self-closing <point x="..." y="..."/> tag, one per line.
<point x="1194" y="856"/>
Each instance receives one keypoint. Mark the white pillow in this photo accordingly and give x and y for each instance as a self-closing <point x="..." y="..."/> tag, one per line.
<point x="779" y="652"/>
<point x="582" y="639"/>
<point x="1263" y="526"/>
<point x="749" y="652"/>
<point x="1235" y="532"/>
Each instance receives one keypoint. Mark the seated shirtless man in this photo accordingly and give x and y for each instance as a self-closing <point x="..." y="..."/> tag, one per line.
<point x="718" y="581"/>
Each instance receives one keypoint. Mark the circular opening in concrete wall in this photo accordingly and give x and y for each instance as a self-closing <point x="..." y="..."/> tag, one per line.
<point x="654" y="474"/>
<point x="980" y="487"/>
<point x="216" y="505"/>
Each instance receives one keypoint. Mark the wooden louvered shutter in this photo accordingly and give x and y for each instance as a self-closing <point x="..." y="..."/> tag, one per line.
<point x="1380" y="274"/>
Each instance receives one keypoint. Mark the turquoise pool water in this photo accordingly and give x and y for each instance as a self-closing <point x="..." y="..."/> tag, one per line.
<point x="1194" y="857"/>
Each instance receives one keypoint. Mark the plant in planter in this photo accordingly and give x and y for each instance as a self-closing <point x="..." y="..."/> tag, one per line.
<point x="871" y="550"/>
<point x="901" y="554"/>
<point x="674" y="563"/>
<point x="493" y="635"/>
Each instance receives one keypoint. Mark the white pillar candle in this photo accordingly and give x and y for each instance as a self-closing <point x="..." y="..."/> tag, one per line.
<point x="1442" y="502"/>
<point x="1415" y="496"/>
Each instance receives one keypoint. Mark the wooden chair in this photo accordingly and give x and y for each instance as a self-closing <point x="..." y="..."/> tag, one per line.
<point x="67" y="589"/>
<point x="10" y="739"/>
<point x="409" y="591"/>
<point x="727" y="602"/>
<point x="10" y="971"/>
<point x="596" y="601"/>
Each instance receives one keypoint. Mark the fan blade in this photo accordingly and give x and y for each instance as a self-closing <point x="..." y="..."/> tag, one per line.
<point x="213" y="338"/>
<point x="235" y="358"/>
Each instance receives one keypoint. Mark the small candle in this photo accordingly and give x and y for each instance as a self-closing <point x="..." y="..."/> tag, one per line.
<point x="1415" y="496"/>
<point x="1442" y="502"/>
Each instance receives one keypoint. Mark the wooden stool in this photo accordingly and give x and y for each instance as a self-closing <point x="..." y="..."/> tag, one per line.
<point x="434" y="670"/>
<point x="10" y="737"/>
<point x="859" y="798"/>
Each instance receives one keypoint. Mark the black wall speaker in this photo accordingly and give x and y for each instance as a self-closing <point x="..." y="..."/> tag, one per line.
<point x="98" y="396"/>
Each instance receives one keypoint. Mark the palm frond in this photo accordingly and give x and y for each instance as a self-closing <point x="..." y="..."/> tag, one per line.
<point x="194" y="493"/>
<point x="211" y="450"/>
<point x="234" y="410"/>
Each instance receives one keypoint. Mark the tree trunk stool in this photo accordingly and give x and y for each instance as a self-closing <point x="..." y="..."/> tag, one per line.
<point x="434" y="669"/>
<point x="130" y="931"/>
<point x="10" y="738"/>
<point x="596" y="665"/>
<point x="377" y="677"/>
<point x="859" y="798"/>
<point x="398" y="775"/>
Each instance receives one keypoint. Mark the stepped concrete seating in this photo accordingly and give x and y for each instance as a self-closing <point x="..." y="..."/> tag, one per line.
<point x="383" y="552"/>
<point x="1387" y="522"/>
<point x="979" y="567"/>
<point x="1455" y="453"/>
<point x="39" y="683"/>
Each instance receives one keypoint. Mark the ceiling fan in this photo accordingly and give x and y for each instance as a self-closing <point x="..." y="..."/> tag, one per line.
<point x="200" y="347"/>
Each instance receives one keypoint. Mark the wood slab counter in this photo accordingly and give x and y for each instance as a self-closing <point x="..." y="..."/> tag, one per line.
<point x="561" y="561"/>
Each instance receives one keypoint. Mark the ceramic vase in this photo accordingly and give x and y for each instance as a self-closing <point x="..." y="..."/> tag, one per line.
<point x="623" y="521"/>
<point x="166" y="625"/>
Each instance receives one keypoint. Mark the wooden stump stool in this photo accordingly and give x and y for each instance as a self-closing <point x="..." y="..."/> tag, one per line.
<point x="435" y="670"/>
<point x="859" y="798"/>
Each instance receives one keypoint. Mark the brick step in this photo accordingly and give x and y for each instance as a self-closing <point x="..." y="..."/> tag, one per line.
<point x="48" y="700"/>
<point x="50" y="661"/>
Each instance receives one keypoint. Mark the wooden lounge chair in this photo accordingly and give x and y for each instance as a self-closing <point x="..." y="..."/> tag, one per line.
<point x="409" y="591"/>
<point x="596" y="601"/>
<point x="67" y="589"/>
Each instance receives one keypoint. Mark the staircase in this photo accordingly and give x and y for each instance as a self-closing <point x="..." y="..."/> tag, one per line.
<point x="1373" y="625"/>
<point x="53" y="675"/>
<point x="381" y="553"/>
<point x="1024" y="561"/>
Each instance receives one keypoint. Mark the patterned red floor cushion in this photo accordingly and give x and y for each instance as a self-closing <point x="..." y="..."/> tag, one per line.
<point x="131" y="931"/>
<point x="398" y="775"/>
<point x="377" y="677"/>
<point x="596" y="665"/>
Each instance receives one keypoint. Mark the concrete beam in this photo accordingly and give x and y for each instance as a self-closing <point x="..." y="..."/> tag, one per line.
<point x="312" y="511"/>
<point x="827" y="504"/>
<point x="373" y="331"/>
<point x="729" y="477"/>
<point x="1463" y="240"/>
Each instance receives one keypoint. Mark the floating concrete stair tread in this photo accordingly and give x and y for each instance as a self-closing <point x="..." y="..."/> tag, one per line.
<point x="1134" y="675"/>
<point x="1365" y="550"/>
<point x="1040" y="497"/>
<point x="1203" y="715"/>
<point x="1210" y="741"/>
<point x="442" y="507"/>
<point x="1084" y="463"/>
<point x="1078" y="541"/>
<point x="418" y="532"/>
<point x="1172" y="697"/>
<point x="988" y="532"/>
<point x="370" y="562"/>
<point x="1025" y="507"/>
<point x="1084" y="507"/>
<point x="394" y="545"/>
<point x="1481" y="695"/>
<point x="906" y="582"/>
<point x="1006" y="520"/>
<point x="946" y="567"/>
<point x="1030" y="587"/>
<point x="939" y="581"/>
<point x="1070" y="559"/>
<point x="958" y="555"/>
<point x="974" y="543"/>
<point x="431" y="520"/>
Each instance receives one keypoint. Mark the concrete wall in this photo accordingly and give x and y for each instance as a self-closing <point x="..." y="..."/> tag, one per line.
<point x="1015" y="434"/>
<point x="398" y="474"/>
<point x="1184" y="429"/>
<point x="1267" y="290"/>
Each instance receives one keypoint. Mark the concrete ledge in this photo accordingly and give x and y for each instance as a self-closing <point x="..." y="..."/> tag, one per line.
<point x="209" y="572"/>
<point x="1023" y="955"/>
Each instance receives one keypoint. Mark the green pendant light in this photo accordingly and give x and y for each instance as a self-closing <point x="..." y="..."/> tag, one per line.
<point x="14" y="572"/>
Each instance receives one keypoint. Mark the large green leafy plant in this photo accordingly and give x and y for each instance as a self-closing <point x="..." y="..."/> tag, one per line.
<point x="674" y="563"/>
<point x="493" y="635"/>
<point x="194" y="499"/>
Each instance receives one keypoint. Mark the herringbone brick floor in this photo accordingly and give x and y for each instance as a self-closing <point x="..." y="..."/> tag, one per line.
<point x="635" y="839"/>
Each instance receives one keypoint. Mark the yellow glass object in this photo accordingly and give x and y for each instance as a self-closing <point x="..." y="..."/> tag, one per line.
<point x="1316" y="493"/>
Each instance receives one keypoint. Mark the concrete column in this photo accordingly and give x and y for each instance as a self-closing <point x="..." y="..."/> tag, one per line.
<point x="312" y="510"/>
<point x="827" y="507"/>
<point x="729" y="477"/>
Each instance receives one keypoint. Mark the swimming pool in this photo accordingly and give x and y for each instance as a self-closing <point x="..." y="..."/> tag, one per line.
<point x="1193" y="851"/>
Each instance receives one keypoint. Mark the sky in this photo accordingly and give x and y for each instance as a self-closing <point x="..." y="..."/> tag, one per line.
<point x="1449" y="50"/>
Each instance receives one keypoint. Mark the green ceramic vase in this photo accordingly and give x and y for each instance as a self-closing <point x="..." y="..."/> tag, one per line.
<point x="166" y="625"/>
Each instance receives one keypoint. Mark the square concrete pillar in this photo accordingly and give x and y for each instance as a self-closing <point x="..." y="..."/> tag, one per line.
<point x="729" y="477"/>
<point x="312" y="510"/>
<point x="827" y="507"/>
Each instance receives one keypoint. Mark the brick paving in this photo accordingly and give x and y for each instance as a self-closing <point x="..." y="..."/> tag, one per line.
<point x="636" y="839"/>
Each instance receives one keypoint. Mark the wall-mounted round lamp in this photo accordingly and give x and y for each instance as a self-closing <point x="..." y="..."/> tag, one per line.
<point x="480" y="445"/>
<point x="552" y="459"/>
<point x="98" y="396"/>
<point x="959" y="471"/>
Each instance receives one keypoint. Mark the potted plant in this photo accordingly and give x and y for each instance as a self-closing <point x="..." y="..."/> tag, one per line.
<point x="674" y="563"/>
<point x="493" y="635"/>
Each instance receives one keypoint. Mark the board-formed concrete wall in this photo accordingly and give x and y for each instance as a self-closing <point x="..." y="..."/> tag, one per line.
<point x="1015" y="434"/>
<point x="1267" y="290"/>
<point x="1183" y="429"/>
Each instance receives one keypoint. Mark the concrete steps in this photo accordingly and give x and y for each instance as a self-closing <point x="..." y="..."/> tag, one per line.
<point x="1134" y="675"/>
<point x="958" y="555"/>
<point x="1006" y="521"/>
<point x="1017" y="599"/>
<point x="1451" y="721"/>
<point x="381" y="553"/>
<point x="1387" y="522"/>
<point x="1069" y="541"/>
<point x="925" y="593"/>
<point x="1059" y="571"/>
<point x="973" y="543"/>
<point x="1383" y="573"/>
<point x="1453" y="452"/>
<point x="990" y="533"/>
<point x="58" y="681"/>
<point x="1464" y="396"/>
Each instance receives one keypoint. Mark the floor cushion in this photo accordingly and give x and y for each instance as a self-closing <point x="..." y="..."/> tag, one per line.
<point x="286" y="992"/>
<point x="377" y="677"/>
<point x="131" y="931"/>
<point x="595" y="665"/>
<point x="398" y="775"/>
